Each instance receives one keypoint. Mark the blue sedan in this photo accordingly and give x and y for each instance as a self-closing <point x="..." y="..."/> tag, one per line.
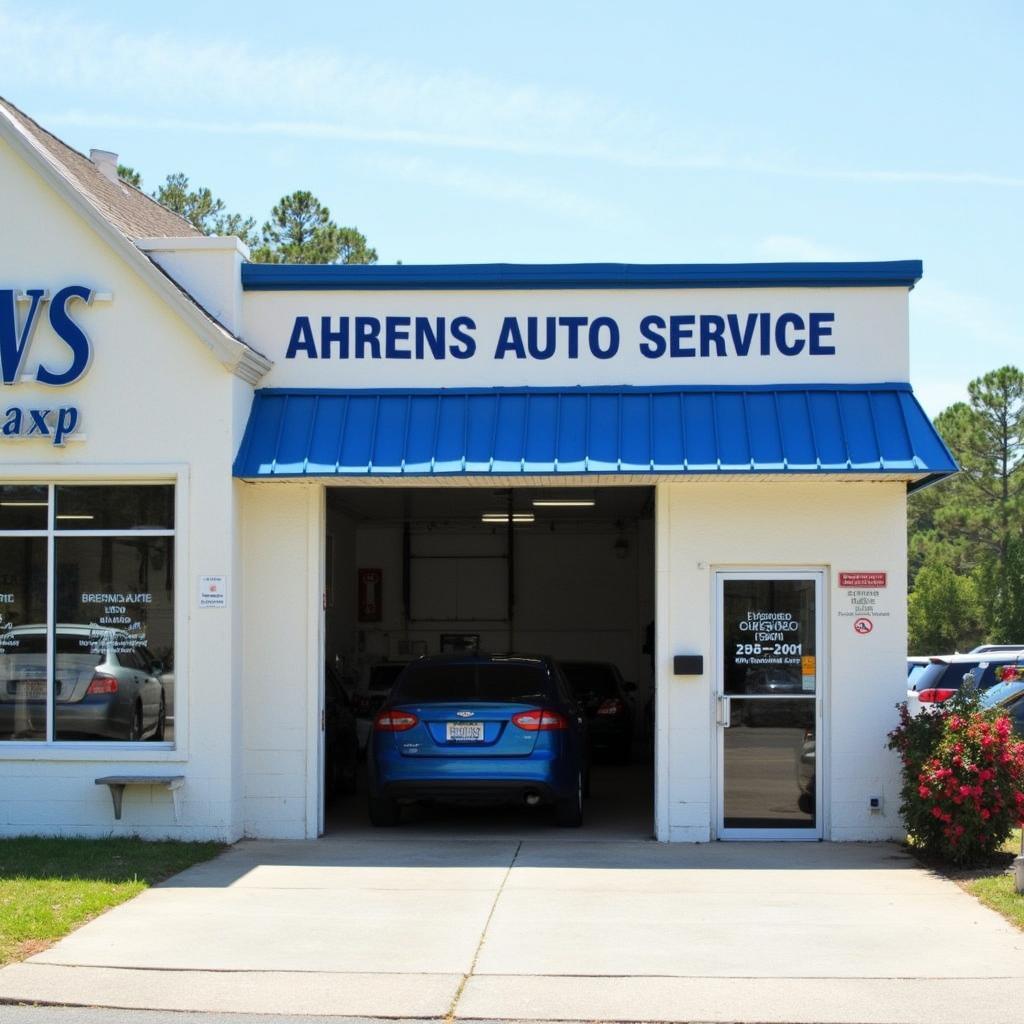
<point x="480" y="728"/>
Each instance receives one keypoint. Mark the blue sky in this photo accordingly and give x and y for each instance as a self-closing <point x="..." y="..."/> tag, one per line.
<point x="551" y="132"/>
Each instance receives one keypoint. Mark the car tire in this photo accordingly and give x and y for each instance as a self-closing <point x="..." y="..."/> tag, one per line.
<point x="383" y="812"/>
<point x="161" y="722"/>
<point x="569" y="811"/>
<point x="135" y="724"/>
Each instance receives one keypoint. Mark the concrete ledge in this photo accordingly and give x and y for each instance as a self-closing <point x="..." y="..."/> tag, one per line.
<point x="266" y="992"/>
<point x="743" y="1000"/>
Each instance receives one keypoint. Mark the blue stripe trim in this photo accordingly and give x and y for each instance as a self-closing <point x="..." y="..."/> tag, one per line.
<point x="588" y="389"/>
<point x="501" y="276"/>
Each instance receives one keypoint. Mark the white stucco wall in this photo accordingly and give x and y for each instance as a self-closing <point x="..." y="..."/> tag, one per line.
<point x="155" y="405"/>
<point x="282" y="551"/>
<point x="833" y="527"/>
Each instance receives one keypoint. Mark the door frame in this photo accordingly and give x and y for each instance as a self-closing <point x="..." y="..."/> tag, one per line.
<point x="820" y="831"/>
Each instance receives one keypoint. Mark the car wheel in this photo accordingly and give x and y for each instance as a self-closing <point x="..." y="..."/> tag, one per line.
<point x="135" y="724"/>
<point x="383" y="812"/>
<point x="569" y="812"/>
<point x="161" y="721"/>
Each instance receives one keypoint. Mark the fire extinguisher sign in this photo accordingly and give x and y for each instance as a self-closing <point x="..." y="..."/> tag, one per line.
<point x="370" y="604"/>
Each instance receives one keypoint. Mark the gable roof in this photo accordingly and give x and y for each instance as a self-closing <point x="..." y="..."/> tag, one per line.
<point x="121" y="214"/>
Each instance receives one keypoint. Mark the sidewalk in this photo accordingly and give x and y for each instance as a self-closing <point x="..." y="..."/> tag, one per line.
<point x="546" y="929"/>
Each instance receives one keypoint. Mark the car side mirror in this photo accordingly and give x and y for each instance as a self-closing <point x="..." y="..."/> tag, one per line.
<point x="158" y="667"/>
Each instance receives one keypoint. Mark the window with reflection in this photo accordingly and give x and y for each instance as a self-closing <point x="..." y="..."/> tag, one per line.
<point x="102" y="668"/>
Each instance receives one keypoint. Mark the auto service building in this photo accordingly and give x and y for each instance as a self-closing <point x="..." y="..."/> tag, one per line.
<point x="221" y="480"/>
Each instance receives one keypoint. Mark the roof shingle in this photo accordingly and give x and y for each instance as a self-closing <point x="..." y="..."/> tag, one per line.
<point x="129" y="209"/>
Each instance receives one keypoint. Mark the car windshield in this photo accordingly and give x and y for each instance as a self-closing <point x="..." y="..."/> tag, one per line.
<point x="590" y="679"/>
<point x="1000" y="692"/>
<point x="502" y="682"/>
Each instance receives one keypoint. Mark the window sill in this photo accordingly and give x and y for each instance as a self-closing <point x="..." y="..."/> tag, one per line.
<point x="21" y="750"/>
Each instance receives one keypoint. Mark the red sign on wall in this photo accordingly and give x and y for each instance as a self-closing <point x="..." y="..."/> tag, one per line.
<point x="370" y="603"/>
<point x="863" y="579"/>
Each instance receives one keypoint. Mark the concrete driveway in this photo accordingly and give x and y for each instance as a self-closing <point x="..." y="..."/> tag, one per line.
<point x="546" y="928"/>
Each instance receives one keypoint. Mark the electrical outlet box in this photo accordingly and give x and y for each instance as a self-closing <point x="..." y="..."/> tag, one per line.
<point x="875" y="803"/>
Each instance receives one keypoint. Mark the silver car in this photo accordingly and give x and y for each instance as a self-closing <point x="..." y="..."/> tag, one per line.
<point x="107" y="685"/>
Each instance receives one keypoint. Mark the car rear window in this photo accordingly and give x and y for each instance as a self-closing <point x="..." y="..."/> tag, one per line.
<point x="943" y="676"/>
<point x="598" y="680"/>
<point x="502" y="682"/>
<point x="915" y="673"/>
<point x="35" y="643"/>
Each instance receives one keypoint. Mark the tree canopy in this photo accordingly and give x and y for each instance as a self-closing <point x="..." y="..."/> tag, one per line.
<point x="300" y="229"/>
<point x="972" y="526"/>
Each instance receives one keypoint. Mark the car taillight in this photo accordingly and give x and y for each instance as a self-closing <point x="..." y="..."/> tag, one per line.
<point x="540" y="721"/>
<point x="395" y="721"/>
<point x="934" y="696"/>
<point x="613" y="706"/>
<point x="101" y="683"/>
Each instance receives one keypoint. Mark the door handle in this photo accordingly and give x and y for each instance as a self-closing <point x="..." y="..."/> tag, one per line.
<point x="724" y="711"/>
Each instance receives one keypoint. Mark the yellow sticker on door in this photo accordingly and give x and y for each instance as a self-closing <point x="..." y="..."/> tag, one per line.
<point x="807" y="667"/>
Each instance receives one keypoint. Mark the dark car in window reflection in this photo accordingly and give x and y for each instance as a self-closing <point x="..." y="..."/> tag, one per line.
<point x="107" y="686"/>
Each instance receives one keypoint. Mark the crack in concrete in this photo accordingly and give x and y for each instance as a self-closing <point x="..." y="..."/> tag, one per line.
<point x="450" y="1015"/>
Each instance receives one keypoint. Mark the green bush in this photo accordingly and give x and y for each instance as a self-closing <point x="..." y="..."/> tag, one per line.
<point x="963" y="778"/>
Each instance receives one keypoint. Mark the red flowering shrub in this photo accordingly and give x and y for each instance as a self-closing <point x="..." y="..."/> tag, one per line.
<point x="963" y="778"/>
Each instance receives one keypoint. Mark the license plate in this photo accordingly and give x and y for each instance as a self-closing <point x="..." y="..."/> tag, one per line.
<point x="30" y="689"/>
<point x="464" y="732"/>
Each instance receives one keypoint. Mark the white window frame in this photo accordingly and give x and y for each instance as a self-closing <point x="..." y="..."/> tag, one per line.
<point x="51" y="749"/>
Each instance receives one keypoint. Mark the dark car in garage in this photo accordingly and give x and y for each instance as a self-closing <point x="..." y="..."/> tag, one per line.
<point x="341" y="741"/>
<point x="604" y="696"/>
<point x="479" y="728"/>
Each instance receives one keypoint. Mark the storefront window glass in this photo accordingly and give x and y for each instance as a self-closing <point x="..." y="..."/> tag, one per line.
<point x="115" y="508"/>
<point x="23" y="676"/>
<point x="23" y="508"/>
<point x="111" y="675"/>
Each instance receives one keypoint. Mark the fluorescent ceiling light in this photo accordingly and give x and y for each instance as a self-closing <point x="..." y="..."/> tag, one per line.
<point x="564" y="502"/>
<point x="502" y="517"/>
<point x="76" y="517"/>
<point x="24" y="504"/>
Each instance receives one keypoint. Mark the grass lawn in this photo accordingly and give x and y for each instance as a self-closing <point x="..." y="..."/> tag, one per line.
<point x="995" y="887"/>
<point x="48" y="887"/>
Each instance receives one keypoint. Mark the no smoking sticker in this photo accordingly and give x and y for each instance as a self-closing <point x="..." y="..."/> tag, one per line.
<point x="863" y="626"/>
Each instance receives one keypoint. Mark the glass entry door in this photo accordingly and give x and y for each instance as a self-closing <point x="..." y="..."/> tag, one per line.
<point x="769" y="704"/>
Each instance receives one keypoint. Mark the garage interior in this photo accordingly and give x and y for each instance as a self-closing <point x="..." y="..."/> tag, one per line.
<point x="424" y="570"/>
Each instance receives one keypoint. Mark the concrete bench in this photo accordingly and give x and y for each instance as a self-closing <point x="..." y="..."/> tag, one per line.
<point x="116" y="783"/>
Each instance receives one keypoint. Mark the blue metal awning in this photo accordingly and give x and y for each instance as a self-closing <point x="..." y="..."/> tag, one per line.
<point x="872" y="430"/>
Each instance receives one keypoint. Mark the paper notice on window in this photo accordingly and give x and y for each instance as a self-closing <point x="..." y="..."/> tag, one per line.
<point x="213" y="591"/>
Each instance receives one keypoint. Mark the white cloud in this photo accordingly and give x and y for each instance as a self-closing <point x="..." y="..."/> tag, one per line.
<point x="520" y="190"/>
<point x="314" y="93"/>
